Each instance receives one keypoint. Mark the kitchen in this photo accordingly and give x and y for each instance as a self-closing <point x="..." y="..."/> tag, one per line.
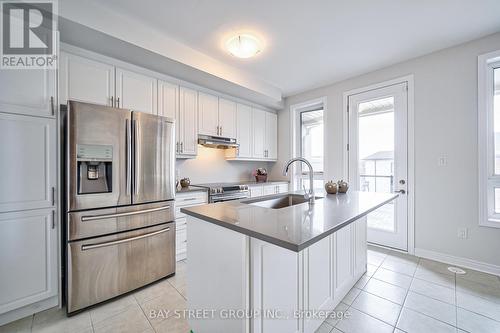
<point x="176" y="177"/>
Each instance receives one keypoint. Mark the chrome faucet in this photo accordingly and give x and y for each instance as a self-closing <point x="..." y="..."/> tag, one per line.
<point x="309" y="196"/>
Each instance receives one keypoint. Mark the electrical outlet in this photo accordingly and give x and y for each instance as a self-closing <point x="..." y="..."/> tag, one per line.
<point x="442" y="161"/>
<point x="462" y="233"/>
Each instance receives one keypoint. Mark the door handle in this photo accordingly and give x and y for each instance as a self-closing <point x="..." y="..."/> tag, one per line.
<point x="400" y="191"/>
<point x="128" y="151"/>
<point x="52" y="105"/>
<point x="137" y="157"/>
<point x="108" y="216"/>
<point x="125" y="240"/>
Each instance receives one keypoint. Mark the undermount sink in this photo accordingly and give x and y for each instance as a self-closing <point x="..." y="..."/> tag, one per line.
<point x="278" y="202"/>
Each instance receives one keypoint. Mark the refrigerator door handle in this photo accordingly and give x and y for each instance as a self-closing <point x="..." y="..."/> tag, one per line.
<point x="128" y="153"/>
<point x="99" y="245"/>
<point x="137" y="144"/>
<point x="108" y="216"/>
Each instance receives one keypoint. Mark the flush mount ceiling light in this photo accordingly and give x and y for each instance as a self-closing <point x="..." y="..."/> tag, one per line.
<point x="243" y="46"/>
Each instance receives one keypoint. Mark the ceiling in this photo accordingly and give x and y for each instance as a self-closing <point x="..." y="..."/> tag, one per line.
<point x="313" y="43"/>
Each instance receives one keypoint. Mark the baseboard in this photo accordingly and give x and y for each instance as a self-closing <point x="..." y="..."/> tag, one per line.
<point x="458" y="261"/>
<point x="28" y="310"/>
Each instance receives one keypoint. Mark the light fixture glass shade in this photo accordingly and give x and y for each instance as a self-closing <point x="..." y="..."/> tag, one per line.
<point x="243" y="46"/>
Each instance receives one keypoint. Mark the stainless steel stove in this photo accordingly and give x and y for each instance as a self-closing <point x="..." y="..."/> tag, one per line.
<point x="218" y="192"/>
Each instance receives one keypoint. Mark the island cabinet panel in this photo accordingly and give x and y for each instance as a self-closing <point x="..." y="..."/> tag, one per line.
<point x="275" y="286"/>
<point x="217" y="277"/>
<point x="283" y="290"/>
<point x="317" y="279"/>
<point x="343" y="261"/>
<point x="360" y="248"/>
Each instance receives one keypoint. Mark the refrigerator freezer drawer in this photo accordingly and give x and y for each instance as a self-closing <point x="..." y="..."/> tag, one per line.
<point x="104" y="267"/>
<point x="97" y="222"/>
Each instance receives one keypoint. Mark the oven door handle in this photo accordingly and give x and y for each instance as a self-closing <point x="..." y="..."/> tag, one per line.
<point x="228" y="198"/>
<point x="108" y="216"/>
<point x="125" y="240"/>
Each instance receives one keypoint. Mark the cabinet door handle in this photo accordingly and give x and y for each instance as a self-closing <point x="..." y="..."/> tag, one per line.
<point x="53" y="219"/>
<point x="182" y="147"/>
<point x="52" y="111"/>
<point x="53" y="196"/>
<point x="220" y="131"/>
<point x="118" y="101"/>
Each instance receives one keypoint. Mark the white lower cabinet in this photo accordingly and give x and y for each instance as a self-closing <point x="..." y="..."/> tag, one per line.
<point x="258" y="190"/>
<point x="269" y="189"/>
<point x="275" y="280"/>
<point x="185" y="199"/>
<point x="28" y="258"/>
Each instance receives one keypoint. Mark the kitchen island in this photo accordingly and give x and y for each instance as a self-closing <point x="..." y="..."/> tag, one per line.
<point x="276" y="263"/>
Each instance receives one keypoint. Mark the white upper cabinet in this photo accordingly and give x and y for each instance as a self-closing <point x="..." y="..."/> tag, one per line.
<point x="208" y="114"/>
<point x="227" y="118"/>
<point x="168" y="106"/>
<point x="271" y="144"/>
<point x="168" y="99"/>
<point x="86" y="80"/>
<point x="30" y="92"/>
<point x="28" y="164"/>
<point x="28" y="243"/>
<point x="101" y="80"/>
<point x="258" y="133"/>
<point x="188" y="123"/>
<point x="244" y="130"/>
<point x="136" y="91"/>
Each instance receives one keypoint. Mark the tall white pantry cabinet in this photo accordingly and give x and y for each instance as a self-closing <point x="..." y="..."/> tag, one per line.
<point x="29" y="230"/>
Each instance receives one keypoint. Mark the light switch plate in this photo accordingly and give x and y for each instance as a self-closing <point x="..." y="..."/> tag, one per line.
<point x="462" y="233"/>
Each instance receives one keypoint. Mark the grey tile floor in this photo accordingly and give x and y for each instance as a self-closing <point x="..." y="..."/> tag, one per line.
<point x="129" y="314"/>
<point x="399" y="293"/>
<point x="402" y="293"/>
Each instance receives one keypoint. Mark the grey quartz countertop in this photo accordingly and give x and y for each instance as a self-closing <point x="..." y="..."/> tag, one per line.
<point x="190" y="189"/>
<point x="295" y="227"/>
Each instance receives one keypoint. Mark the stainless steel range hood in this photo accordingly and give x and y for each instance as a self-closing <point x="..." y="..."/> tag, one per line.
<point x="217" y="142"/>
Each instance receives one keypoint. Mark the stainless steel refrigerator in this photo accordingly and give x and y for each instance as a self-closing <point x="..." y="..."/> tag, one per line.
<point x="120" y="191"/>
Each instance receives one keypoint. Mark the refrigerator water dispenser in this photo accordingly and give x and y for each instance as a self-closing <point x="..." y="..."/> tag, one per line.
<point x="95" y="168"/>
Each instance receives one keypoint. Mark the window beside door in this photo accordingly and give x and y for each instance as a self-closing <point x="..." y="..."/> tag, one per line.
<point x="311" y="147"/>
<point x="489" y="139"/>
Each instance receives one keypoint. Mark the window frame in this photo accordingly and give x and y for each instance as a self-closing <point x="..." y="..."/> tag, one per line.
<point x="488" y="180"/>
<point x="297" y="176"/>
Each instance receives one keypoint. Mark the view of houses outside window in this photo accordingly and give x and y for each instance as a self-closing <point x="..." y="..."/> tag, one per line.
<point x="312" y="146"/>
<point x="376" y="152"/>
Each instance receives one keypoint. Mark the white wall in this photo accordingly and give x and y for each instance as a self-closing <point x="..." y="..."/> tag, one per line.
<point x="445" y="125"/>
<point x="210" y="166"/>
